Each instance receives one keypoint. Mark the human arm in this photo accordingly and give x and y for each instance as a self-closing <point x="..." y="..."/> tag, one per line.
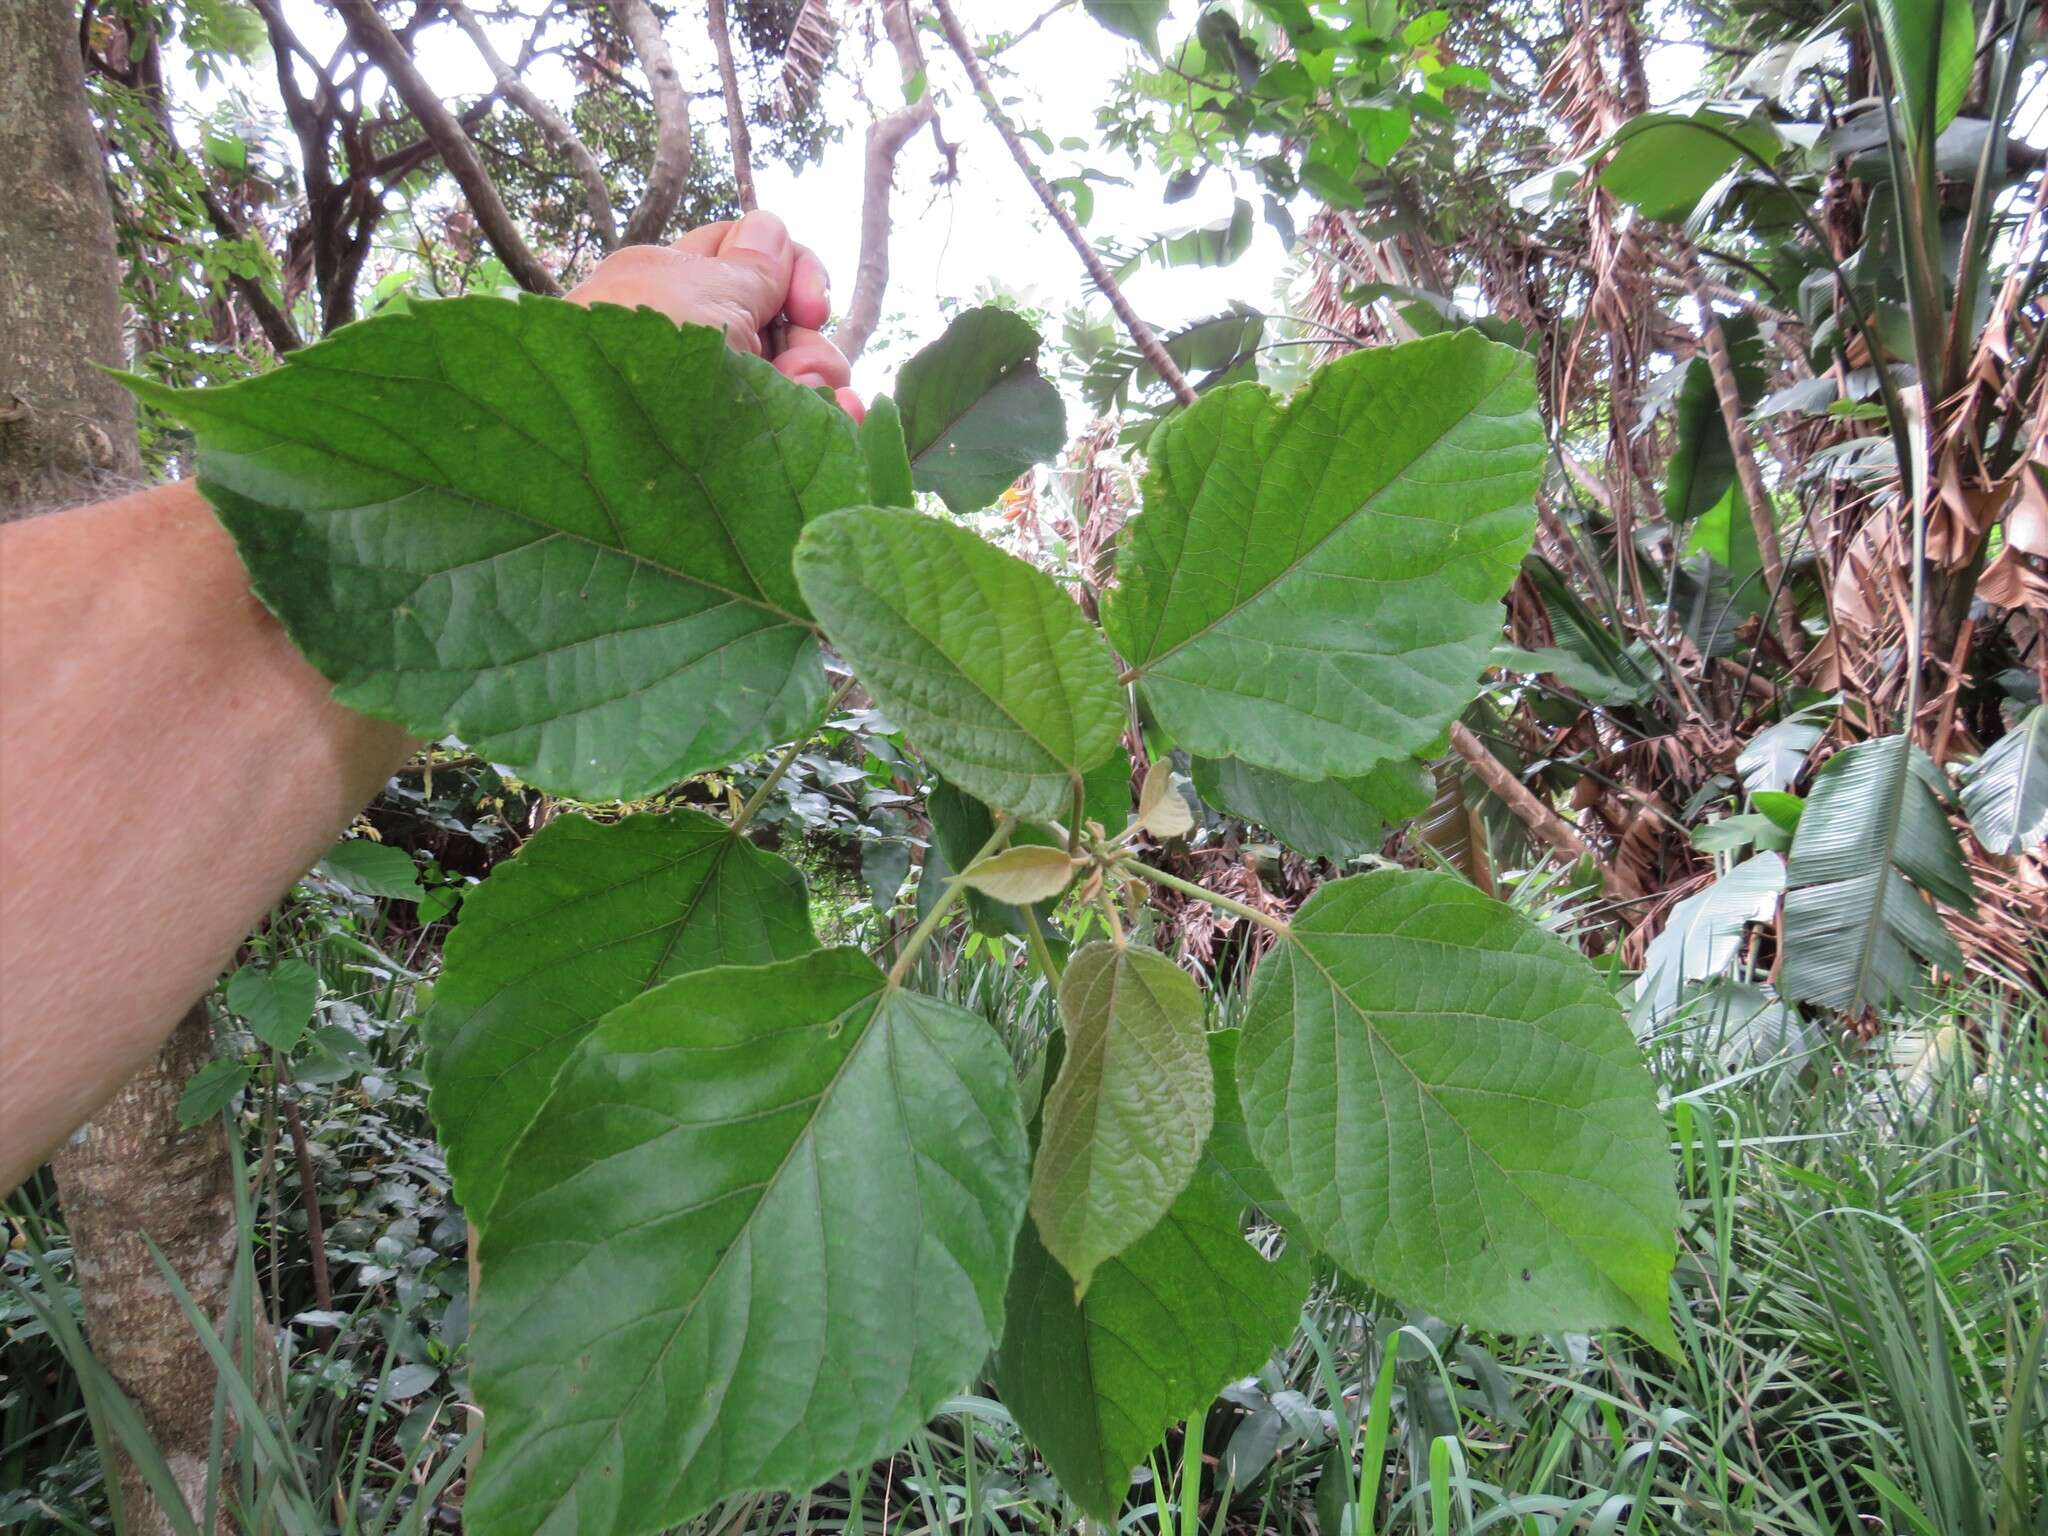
<point x="169" y="764"/>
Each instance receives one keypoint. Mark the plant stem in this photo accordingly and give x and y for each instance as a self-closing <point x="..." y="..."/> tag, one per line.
<point x="1214" y="898"/>
<point x="735" y="111"/>
<point x="1041" y="952"/>
<point x="955" y="888"/>
<point x="760" y="796"/>
<point x="1539" y="818"/>
<point x="1141" y="333"/>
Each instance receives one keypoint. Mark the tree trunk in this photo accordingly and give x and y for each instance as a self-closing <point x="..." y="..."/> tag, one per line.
<point x="67" y="434"/>
<point x="67" y="431"/>
<point x="131" y="1175"/>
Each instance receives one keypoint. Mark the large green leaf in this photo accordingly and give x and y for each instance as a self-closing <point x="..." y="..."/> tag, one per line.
<point x="1185" y="1310"/>
<point x="1704" y="933"/>
<point x="1136" y="19"/>
<point x="976" y="411"/>
<point x="1325" y="818"/>
<point x="1931" y="46"/>
<point x="977" y="655"/>
<point x="562" y="533"/>
<point x="1663" y="163"/>
<point x="1126" y="1119"/>
<point x="1702" y="467"/>
<point x="275" y="1001"/>
<point x="2005" y="791"/>
<point x="1312" y="588"/>
<point x="759" y="1231"/>
<point x="1873" y="830"/>
<point x="1452" y="1107"/>
<point x="587" y="917"/>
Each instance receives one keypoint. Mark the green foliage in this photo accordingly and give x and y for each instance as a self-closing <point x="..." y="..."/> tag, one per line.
<point x="987" y="664"/>
<point x="2005" y="791"/>
<point x="759" y="1230"/>
<point x="1313" y="587"/>
<point x="275" y="1001"/>
<point x="1663" y="162"/>
<point x="1872" y="839"/>
<point x="1126" y="1118"/>
<point x="1135" y="19"/>
<point x="976" y="411"/>
<point x="751" y="1210"/>
<point x="561" y="533"/>
<point x="1095" y="1380"/>
<point x="1509" y="1170"/>
<point x="587" y="917"/>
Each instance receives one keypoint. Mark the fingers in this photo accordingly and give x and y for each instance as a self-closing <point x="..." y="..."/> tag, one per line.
<point x="704" y="240"/>
<point x="812" y="360"/>
<point x="850" y="403"/>
<point x="761" y="260"/>
<point x="810" y="291"/>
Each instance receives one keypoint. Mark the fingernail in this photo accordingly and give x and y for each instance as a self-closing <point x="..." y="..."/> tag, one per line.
<point x="761" y="233"/>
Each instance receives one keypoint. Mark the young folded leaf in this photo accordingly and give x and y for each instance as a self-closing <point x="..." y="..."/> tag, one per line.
<point x="985" y="663"/>
<point x="1313" y="587"/>
<point x="1126" y="1119"/>
<point x="1022" y="875"/>
<point x="1454" y="1110"/>
<point x="759" y="1231"/>
<point x="1163" y="809"/>
<point x="561" y="533"/>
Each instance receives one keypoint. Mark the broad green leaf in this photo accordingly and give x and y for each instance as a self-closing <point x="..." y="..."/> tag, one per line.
<point x="759" y="1230"/>
<point x="1705" y="932"/>
<point x="984" y="662"/>
<point x="1873" y="837"/>
<point x="1336" y="819"/>
<point x="1588" y="678"/>
<point x="1663" y="163"/>
<point x="881" y="442"/>
<point x="1702" y="467"/>
<point x="1453" y="1109"/>
<point x="2005" y="791"/>
<point x="1312" y="588"/>
<point x="210" y="1090"/>
<point x="1127" y="1116"/>
<point x="1216" y="244"/>
<point x="560" y="533"/>
<point x="1187" y="1309"/>
<point x="587" y="917"/>
<point x="1023" y="875"/>
<point x="1136" y="19"/>
<point x="275" y="1001"/>
<point x="976" y="411"/>
<point x="373" y="869"/>
<point x="1931" y="46"/>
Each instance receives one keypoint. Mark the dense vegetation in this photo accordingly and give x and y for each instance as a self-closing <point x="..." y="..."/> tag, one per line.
<point x="1434" y="922"/>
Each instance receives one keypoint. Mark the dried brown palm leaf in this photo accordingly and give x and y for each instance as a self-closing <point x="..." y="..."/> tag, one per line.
<point x="805" y="58"/>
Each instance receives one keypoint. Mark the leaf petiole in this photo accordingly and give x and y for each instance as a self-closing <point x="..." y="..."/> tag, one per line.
<point x="955" y="888"/>
<point x="1203" y="893"/>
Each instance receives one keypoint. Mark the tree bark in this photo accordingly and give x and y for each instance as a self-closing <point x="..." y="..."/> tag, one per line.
<point x="67" y="434"/>
<point x="67" y="431"/>
<point x="886" y="137"/>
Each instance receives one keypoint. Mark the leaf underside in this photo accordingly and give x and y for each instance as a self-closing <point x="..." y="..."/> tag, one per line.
<point x="1313" y="588"/>
<point x="1451" y="1105"/>
<point x="587" y="917"/>
<point x="561" y="533"/>
<point x="1326" y="818"/>
<point x="976" y="411"/>
<point x="757" y="1234"/>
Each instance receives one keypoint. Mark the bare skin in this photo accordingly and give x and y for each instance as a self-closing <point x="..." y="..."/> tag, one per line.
<point x="169" y="764"/>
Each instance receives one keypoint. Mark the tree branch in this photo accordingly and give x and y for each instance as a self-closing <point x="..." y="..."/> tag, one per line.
<point x="1547" y="826"/>
<point x="735" y="110"/>
<point x="1141" y="333"/>
<point x="457" y="152"/>
<point x="886" y="137"/>
<point x="553" y="126"/>
<point x="671" y="168"/>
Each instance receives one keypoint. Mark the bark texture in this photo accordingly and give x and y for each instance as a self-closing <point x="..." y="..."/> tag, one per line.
<point x="133" y="1174"/>
<point x="67" y="434"/>
<point x="66" y="430"/>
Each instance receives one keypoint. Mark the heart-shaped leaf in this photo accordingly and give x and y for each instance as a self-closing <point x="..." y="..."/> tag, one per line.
<point x="275" y="1001"/>
<point x="976" y="411"/>
<point x="587" y="917"/>
<point x="1313" y="588"/>
<point x="758" y="1232"/>
<point x="1127" y="1116"/>
<point x="984" y="662"/>
<point x="1454" y="1110"/>
<point x="560" y="533"/>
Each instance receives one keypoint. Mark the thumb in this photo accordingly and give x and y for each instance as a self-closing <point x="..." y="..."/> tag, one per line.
<point x="761" y="259"/>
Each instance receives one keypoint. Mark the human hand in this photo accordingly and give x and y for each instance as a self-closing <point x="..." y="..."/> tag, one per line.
<point x="741" y="276"/>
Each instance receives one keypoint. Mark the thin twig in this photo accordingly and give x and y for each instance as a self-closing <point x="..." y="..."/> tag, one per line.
<point x="1202" y="893"/>
<point x="760" y="796"/>
<point x="1141" y="334"/>
<point x="943" y="907"/>
<point x="735" y="110"/>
